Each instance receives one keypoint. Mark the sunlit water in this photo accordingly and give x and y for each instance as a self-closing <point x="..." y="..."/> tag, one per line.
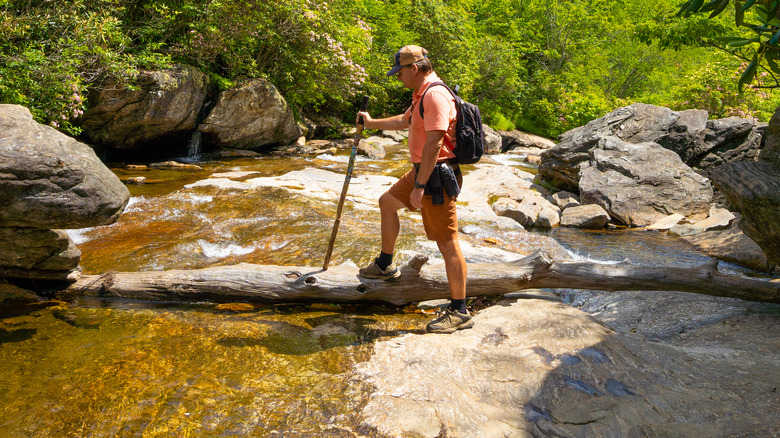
<point x="112" y="368"/>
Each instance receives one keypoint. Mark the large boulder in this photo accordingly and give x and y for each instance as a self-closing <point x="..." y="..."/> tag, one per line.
<point x="163" y="106"/>
<point x="518" y="139"/>
<point x="492" y="141"/>
<point x="702" y="144"/>
<point x="49" y="180"/>
<point x="754" y="188"/>
<point x="771" y="150"/>
<point x="251" y="115"/>
<point x="639" y="184"/>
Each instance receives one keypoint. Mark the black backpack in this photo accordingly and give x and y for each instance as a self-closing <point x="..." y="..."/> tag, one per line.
<point x="469" y="136"/>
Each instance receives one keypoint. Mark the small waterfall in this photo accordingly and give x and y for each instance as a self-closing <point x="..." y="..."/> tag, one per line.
<point x="193" y="147"/>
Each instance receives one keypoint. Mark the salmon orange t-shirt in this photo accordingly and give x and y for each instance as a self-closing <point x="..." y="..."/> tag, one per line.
<point x="440" y="114"/>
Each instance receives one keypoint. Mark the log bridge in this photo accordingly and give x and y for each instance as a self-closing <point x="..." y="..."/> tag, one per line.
<point x="418" y="282"/>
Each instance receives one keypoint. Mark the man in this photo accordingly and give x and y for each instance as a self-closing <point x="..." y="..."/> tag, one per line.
<point x="430" y="155"/>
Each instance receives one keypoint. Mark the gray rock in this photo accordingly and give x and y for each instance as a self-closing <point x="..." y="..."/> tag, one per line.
<point x="492" y="141"/>
<point x="251" y="115"/>
<point x="548" y="218"/>
<point x="518" y="139"/>
<point x="754" y="189"/>
<point x="11" y="295"/>
<point x="374" y="147"/>
<point x="49" y="180"/>
<point x="525" y="214"/>
<point x="564" y="199"/>
<point x="639" y="184"/>
<point x="702" y="144"/>
<point x="771" y="150"/>
<point x="588" y="216"/>
<point x="533" y="366"/>
<point x="667" y="222"/>
<point x="165" y="106"/>
<point x="32" y="248"/>
<point x="397" y="136"/>
<point x="731" y="245"/>
<point x="685" y="229"/>
<point x="719" y="219"/>
<point x="725" y="140"/>
<point x="637" y="123"/>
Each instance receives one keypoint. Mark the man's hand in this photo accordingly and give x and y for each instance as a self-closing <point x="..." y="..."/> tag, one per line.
<point x="366" y="119"/>
<point x="416" y="198"/>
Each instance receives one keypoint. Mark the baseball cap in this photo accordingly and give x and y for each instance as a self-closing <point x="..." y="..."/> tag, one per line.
<point x="407" y="55"/>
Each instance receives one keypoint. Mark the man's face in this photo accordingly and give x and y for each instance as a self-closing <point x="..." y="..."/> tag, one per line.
<point x="406" y="75"/>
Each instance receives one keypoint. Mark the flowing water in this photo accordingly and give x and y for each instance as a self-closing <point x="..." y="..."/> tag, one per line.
<point x="115" y="368"/>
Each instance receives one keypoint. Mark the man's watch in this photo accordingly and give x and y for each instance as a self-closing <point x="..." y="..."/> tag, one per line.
<point x="418" y="185"/>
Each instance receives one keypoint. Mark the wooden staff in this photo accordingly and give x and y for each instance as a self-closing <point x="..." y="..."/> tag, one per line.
<point x="358" y="134"/>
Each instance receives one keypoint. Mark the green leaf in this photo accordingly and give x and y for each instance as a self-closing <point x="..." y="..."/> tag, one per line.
<point x="771" y="59"/>
<point x="728" y="39"/>
<point x="684" y="7"/>
<point x="711" y="6"/>
<point x="742" y="42"/>
<point x="719" y="9"/>
<point x="749" y="73"/>
<point x="739" y="16"/>
<point x="775" y="38"/>
<point x="747" y="4"/>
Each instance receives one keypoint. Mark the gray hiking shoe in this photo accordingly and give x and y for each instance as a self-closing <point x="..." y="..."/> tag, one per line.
<point x="374" y="271"/>
<point x="450" y="321"/>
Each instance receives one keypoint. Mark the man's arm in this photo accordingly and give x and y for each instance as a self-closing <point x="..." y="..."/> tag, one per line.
<point x="430" y="155"/>
<point x="395" y="123"/>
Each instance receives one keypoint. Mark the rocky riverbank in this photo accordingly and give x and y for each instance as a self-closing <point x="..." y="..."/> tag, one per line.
<point x="540" y="363"/>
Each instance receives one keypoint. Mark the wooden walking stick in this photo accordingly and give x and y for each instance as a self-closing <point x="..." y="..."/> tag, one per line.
<point x="358" y="134"/>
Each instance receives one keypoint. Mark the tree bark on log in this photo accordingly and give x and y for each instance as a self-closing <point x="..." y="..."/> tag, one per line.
<point x="340" y="284"/>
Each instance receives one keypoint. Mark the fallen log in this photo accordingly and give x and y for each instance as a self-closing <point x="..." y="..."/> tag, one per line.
<point x="340" y="284"/>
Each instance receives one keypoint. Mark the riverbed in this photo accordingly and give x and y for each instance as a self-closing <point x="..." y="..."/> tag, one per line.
<point x="120" y="368"/>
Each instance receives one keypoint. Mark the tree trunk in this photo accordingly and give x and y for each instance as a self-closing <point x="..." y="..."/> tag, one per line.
<point x="340" y="284"/>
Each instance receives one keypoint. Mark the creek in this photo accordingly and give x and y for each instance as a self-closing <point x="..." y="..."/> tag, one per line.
<point x="120" y="368"/>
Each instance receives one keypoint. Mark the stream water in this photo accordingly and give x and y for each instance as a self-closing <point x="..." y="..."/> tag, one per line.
<point x="119" y="368"/>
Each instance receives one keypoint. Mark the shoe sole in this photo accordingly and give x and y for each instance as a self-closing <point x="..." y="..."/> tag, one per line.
<point x="392" y="276"/>
<point x="466" y="325"/>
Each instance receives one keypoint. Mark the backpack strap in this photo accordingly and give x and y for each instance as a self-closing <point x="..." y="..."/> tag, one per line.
<point x="426" y="92"/>
<point x="457" y="108"/>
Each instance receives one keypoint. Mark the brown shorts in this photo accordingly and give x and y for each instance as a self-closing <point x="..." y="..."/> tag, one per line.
<point x="440" y="221"/>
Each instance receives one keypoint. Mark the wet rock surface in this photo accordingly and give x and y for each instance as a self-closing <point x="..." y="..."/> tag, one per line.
<point x="649" y="364"/>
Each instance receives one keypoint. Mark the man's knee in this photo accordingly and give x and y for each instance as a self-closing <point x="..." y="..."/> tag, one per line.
<point x="449" y="248"/>
<point x="388" y="203"/>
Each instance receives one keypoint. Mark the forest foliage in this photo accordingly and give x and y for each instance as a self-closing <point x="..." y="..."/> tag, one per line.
<point x="543" y="66"/>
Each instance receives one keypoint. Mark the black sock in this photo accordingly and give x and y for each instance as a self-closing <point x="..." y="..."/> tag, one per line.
<point x="459" y="305"/>
<point x="384" y="260"/>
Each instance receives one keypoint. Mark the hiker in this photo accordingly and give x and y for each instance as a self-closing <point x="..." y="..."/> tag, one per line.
<point x="431" y="185"/>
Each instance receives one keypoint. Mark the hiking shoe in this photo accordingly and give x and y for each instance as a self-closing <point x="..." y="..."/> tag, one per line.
<point x="450" y="321"/>
<point x="374" y="271"/>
